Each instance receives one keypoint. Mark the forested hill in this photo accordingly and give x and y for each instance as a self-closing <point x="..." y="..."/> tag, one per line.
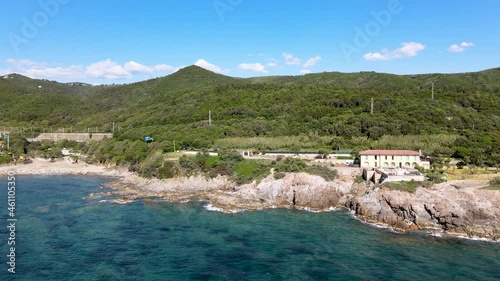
<point x="176" y="107"/>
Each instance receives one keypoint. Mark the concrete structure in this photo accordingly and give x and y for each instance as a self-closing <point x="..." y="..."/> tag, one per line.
<point x="372" y="175"/>
<point x="392" y="175"/>
<point x="392" y="159"/>
<point x="70" y="136"/>
<point x="246" y="153"/>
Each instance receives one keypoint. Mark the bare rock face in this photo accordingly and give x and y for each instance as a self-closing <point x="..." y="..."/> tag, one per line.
<point x="294" y="190"/>
<point x="469" y="212"/>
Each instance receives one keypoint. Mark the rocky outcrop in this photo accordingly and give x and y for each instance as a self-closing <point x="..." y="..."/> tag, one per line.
<point x="469" y="212"/>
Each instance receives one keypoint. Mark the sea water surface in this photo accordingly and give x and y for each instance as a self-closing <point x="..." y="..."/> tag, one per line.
<point x="61" y="235"/>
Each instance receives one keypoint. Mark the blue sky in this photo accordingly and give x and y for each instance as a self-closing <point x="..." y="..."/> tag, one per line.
<point x="103" y="42"/>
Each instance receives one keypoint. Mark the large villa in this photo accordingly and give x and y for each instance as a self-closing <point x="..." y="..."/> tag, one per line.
<point x="392" y="159"/>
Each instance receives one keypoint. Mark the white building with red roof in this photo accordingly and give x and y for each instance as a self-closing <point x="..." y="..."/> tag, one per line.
<point x="392" y="159"/>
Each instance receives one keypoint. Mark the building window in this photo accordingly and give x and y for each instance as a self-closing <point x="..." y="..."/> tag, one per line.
<point x="392" y="157"/>
<point x="375" y="157"/>
<point x="386" y="157"/>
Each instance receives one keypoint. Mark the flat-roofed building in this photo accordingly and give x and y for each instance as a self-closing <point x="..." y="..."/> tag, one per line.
<point x="392" y="159"/>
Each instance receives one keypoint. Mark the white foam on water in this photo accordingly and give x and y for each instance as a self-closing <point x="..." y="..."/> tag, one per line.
<point x="211" y="207"/>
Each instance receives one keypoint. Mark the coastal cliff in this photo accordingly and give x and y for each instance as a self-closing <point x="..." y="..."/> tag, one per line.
<point x="453" y="208"/>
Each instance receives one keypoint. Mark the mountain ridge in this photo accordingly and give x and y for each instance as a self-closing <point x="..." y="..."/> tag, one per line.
<point x="201" y="73"/>
<point x="324" y="104"/>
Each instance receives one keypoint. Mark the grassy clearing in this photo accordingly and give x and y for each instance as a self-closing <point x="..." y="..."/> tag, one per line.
<point x="324" y="172"/>
<point x="494" y="184"/>
<point x="415" y="142"/>
<point x="470" y="174"/>
<point x="250" y="170"/>
<point x="174" y="154"/>
<point x="408" y="186"/>
<point x="492" y="187"/>
<point x="427" y="143"/>
<point x="273" y="143"/>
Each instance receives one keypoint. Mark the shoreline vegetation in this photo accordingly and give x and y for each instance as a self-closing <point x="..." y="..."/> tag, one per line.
<point x="459" y="208"/>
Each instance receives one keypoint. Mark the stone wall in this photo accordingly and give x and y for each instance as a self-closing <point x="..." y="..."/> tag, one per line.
<point x="74" y="137"/>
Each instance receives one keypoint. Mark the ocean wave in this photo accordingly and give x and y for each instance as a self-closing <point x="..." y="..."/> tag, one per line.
<point x="311" y="210"/>
<point x="118" y="201"/>
<point x="211" y="207"/>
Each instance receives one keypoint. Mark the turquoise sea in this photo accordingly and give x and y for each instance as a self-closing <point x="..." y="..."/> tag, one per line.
<point x="60" y="235"/>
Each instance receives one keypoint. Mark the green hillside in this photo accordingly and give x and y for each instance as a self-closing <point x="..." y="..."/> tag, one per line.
<point x="331" y="107"/>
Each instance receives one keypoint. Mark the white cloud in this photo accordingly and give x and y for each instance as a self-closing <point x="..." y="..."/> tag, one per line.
<point x="106" y="69"/>
<point x="273" y="63"/>
<point x="205" y="64"/>
<point x="408" y="49"/>
<point x="455" y="48"/>
<point x="256" y="67"/>
<point x="312" y="61"/>
<point x="134" y="67"/>
<point x="20" y="64"/>
<point x="73" y="72"/>
<point x="164" y="68"/>
<point x="305" y="71"/>
<point x="291" y="60"/>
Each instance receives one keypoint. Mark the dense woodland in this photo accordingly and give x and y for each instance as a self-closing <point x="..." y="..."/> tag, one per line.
<point x="312" y="112"/>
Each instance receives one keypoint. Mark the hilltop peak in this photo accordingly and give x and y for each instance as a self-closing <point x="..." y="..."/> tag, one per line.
<point x="15" y="75"/>
<point x="196" y="71"/>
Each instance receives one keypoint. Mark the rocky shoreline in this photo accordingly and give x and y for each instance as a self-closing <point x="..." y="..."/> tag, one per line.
<point x="443" y="209"/>
<point x="458" y="208"/>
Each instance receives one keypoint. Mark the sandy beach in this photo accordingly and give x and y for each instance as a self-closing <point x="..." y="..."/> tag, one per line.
<point x="62" y="167"/>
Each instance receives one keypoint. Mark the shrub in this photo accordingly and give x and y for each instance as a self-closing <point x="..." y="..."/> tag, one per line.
<point x="187" y="164"/>
<point x="291" y="165"/>
<point x="5" y="159"/>
<point x="279" y="175"/>
<point x="149" y="167"/>
<point x="167" y="171"/>
<point x="495" y="181"/>
<point x="324" y="172"/>
<point x="231" y="157"/>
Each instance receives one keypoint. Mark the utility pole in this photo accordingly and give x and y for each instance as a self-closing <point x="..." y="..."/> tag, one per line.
<point x="371" y="109"/>
<point x="113" y="127"/>
<point x="209" y="118"/>
<point x="432" y="90"/>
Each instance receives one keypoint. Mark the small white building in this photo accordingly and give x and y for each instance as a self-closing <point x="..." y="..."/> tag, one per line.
<point x="391" y="159"/>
